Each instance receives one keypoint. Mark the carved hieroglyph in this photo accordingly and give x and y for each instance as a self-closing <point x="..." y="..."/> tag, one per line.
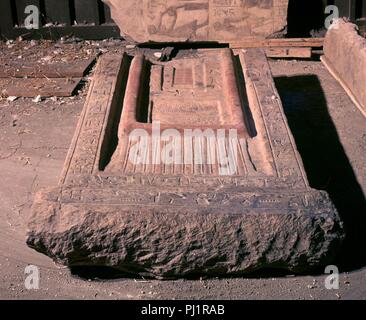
<point x="185" y="217"/>
<point x="198" y="20"/>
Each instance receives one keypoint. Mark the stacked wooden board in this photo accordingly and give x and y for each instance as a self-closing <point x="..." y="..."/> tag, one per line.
<point x="283" y="48"/>
<point x="46" y="80"/>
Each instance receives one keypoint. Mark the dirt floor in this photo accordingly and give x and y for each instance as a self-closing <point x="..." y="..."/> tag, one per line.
<point x="330" y="133"/>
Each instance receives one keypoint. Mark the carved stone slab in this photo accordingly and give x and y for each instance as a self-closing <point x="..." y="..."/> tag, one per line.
<point x="198" y="20"/>
<point x="177" y="219"/>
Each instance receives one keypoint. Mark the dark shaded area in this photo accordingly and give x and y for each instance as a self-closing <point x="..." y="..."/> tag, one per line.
<point x="325" y="161"/>
<point x="305" y="16"/>
<point x="249" y="121"/>
<point x="109" y="273"/>
<point x="143" y="103"/>
<point x="110" y="141"/>
<point x="183" y="45"/>
<point x="360" y="8"/>
<point x="99" y="273"/>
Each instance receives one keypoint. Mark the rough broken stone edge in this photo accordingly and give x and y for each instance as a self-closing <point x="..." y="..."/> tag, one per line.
<point x="160" y="244"/>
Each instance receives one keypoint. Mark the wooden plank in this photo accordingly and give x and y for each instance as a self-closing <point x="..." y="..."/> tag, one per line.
<point x="343" y="83"/>
<point x="268" y="43"/>
<point x="56" y="70"/>
<point x="6" y="21"/>
<point x="87" y="12"/>
<point x="347" y="8"/>
<point x="353" y="9"/>
<point x="56" y="87"/>
<point x="58" y="12"/>
<point x="289" y="52"/>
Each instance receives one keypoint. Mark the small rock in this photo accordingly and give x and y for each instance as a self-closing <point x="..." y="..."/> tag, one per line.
<point x="37" y="99"/>
<point x="12" y="98"/>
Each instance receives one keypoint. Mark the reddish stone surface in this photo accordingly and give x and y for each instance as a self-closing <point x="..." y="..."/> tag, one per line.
<point x="198" y="20"/>
<point x="172" y="220"/>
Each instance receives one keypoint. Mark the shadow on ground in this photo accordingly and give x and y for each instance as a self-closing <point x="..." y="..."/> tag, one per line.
<point x="325" y="161"/>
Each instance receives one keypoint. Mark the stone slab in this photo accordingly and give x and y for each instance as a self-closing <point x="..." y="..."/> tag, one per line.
<point x="175" y="220"/>
<point x="198" y="20"/>
<point x="278" y="43"/>
<point x="345" y="57"/>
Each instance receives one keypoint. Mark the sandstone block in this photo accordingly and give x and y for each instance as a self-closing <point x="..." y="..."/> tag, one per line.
<point x="198" y="20"/>
<point x="212" y="206"/>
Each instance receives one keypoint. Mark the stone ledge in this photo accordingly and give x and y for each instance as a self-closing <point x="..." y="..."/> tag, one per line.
<point x="345" y="57"/>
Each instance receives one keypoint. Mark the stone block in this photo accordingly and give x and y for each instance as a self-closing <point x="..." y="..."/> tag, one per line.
<point x="198" y="20"/>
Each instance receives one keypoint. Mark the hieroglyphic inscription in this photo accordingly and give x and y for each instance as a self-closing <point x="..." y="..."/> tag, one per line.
<point x="199" y="20"/>
<point x="238" y="202"/>
<point x="137" y="182"/>
<point x="84" y="149"/>
<point x="283" y="149"/>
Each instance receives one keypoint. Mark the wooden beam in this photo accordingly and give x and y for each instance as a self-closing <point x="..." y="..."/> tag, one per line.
<point x="289" y="52"/>
<point x="269" y="43"/>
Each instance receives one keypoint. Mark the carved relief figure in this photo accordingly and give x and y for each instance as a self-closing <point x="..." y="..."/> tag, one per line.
<point x="176" y="18"/>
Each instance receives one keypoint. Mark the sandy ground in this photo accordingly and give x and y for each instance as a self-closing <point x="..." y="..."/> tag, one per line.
<point x="330" y="133"/>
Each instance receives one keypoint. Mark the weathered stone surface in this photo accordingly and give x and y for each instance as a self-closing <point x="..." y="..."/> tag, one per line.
<point x="233" y="238"/>
<point x="172" y="220"/>
<point x="198" y="20"/>
<point x="345" y="56"/>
